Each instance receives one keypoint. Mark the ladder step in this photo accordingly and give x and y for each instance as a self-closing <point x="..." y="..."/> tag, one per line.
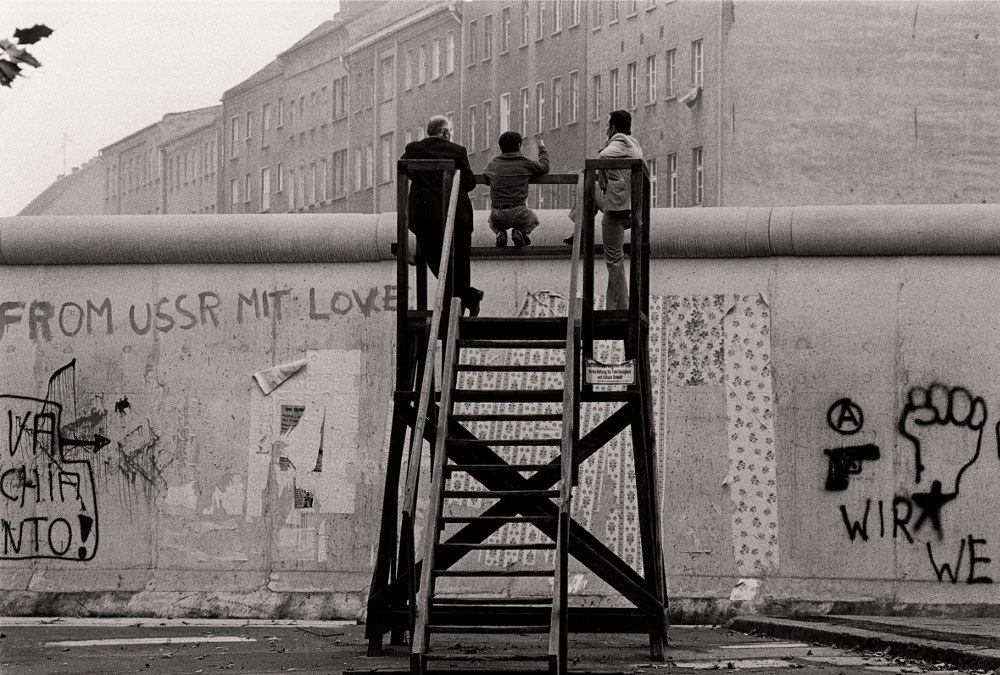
<point x="507" y="396"/>
<point x="513" y="344"/>
<point x="455" y="658"/>
<point x="467" y="468"/>
<point x="488" y="629"/>
<point x="499" y="547"/>
<point x="477" y="368"/>
<point x="502" y="417"/>
<point x="526" y="600"/>
<point x="493" y="573"/>
<point x="497" y="519"/>
<point x="498" y="494"/>
<point x="523" y="442"/>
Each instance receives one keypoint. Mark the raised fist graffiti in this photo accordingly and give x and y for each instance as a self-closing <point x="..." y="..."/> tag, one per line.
<point x="945" y="426"/>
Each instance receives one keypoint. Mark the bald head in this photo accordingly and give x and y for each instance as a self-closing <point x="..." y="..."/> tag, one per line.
<point x="439" y="125"/>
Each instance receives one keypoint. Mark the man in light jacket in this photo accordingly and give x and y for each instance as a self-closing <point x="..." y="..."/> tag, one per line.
<point x="616" y="203"/>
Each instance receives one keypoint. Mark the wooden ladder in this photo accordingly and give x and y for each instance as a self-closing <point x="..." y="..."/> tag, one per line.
<point x="541" y="499"/>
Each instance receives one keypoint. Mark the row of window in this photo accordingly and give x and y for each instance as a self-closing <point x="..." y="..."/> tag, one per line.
<point x="319" y="181"/>
<point x="417" y="65"/>
<point x="136" y="172"/>
<point x="326" y="104"/>
<point x="193" y="164"/>
<point x="612" y="9"/>
<point x="630" y="100"/>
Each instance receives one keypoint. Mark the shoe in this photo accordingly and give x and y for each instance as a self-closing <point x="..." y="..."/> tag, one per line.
<point x="501" y="239"/>
<point x="475" y="306"/>
<point x="568" y="240"/>
<point x="520" y="238"/>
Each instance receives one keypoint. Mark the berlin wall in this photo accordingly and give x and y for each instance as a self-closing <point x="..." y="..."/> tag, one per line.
<point x="826" y="389"/>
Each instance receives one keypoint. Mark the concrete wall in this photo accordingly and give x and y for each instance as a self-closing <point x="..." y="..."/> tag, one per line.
<point x="777" y="334"/>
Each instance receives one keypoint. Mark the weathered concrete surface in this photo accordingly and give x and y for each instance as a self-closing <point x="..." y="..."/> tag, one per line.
<point x="211" y="498"/>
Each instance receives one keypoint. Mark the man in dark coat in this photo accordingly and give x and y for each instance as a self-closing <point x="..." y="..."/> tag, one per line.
<point x="426" y="208"/>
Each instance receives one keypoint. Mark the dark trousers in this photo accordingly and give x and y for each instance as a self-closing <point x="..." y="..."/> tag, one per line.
<point x="430" y="245"/>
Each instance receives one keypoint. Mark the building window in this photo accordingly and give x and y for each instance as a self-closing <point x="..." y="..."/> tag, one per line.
<point x="671" y="67"/>
<point x="633" y="81"/>
<point x="614" y="11"/>
<point x="281" y="112"/>
<point x="651" y="163"/>
<point x="265" y="189"/>
<point x="597" y="14"/>
<point x="386" y="143"/>
<point x="505" y="30"/>
<point x="473" y="45"/>
<point x="357" y="169"/>
<point x="697" y="64"/>
<point x="556" y="102"/>
<point x="388" y="68"/>
<point x="525" y="22"/>
<point x="595" y="96"/>
<point x="451" y="53"/>
<point x="370" y="90"/>
<point x="540" y="27"/>
<point x="407" y="137"/>
<point x="525" y="111"/>
<point x="323" y="177"/>
<point x="614" y="89"/>
<point x="292" y="181"/>
<point x="487" y="37"/>
<point x="248" y="187"/>
<point x="408" y="72"/>
<point x="249" y="123"/>
<point x="265" y="117"/>
<point x="234" y="192"/>
<point x="339" y="171"/>
<point x="303" y="178"/>
<point x="472" y="129"/>
<point x="435" y="58"/>
<point x="487" y="124"/>
<point x="698" y="175"/>
<point x="557" y="17"/>
<point x="340" y="98"/>
<point x="280" y="173"/>
<point x="369" y="165"/>
<point x="313" y="189"/>
<point x="234" y="136"/>
<point x="577" y="12"/>
<point x="505" y="112"/>
<point x="651" y="79"/>
<point x="539" y="107"/>
<point x="574" y="97"/>
<point x="633" y="7"/>
<point x="422" y="65"/>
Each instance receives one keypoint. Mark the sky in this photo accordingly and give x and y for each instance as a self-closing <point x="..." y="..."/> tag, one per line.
<point x="112" y="68"/>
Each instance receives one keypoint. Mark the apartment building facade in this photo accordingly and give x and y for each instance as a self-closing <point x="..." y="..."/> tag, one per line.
<point x="734" y="103"/>
<point x="143" y="171"/>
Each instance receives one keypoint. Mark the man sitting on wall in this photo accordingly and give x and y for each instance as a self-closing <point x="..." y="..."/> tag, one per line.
<point x="426" y="204"/>
<point x="508" y="176"/>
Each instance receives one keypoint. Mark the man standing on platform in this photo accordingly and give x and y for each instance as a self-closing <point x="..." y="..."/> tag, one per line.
<point x="426" y="208"/>
<point x="508" y="176"/>
<point x="615" y="201"/>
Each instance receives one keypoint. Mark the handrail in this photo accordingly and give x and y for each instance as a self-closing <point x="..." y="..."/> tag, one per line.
<point x="417" y="438"/>
<point x="418" y="637"/>
<point x="570" y="423"/>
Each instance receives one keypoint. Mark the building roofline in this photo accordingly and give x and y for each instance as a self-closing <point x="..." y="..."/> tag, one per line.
<point x="396" y="26"/>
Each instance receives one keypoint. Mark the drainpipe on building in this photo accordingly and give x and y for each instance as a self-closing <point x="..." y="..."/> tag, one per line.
<point x="461" y="73"/>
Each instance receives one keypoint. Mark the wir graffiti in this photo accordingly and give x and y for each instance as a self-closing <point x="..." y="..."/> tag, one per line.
<point x="43" y="320"/>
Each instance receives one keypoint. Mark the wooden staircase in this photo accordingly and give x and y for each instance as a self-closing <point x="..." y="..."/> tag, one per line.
<point x="474" y="492"/>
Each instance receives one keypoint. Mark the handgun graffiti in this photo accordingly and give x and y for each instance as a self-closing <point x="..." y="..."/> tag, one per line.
<point x="846" y="418"/>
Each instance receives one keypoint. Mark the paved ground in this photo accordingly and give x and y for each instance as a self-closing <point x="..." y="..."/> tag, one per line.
<point x="167" y="647"/>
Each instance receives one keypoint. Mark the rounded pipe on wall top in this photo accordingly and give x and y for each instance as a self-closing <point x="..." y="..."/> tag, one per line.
<point x="728" y="232"/>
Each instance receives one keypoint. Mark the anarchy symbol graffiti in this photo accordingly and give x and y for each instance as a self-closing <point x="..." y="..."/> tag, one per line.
<point x="845" y="417"/>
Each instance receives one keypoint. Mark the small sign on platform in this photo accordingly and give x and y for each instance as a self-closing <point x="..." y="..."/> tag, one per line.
<point x="610" y="373"/>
